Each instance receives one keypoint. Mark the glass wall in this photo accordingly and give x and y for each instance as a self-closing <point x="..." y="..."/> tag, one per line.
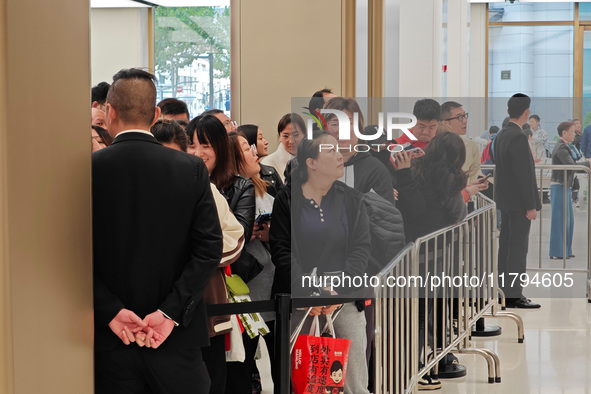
<point x="192" y="56"/>
<point x="531" y="50"/>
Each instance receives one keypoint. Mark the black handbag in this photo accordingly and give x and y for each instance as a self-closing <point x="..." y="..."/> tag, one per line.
<point x="247" y="266"/>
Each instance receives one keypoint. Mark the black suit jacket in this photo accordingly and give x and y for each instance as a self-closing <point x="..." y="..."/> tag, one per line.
<point x="515" y="179"/>
<point x="157" y="237"/>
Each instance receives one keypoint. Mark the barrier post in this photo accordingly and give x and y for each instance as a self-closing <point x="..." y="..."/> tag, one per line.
<point x="282" y="356"/>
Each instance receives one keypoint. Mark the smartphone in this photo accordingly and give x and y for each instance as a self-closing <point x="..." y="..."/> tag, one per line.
<point x="482" y="180"/>
<point x="412" y="153"/>
<point x="263" y="217"/>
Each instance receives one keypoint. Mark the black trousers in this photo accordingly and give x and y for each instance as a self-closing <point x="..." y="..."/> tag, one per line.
<point x="135" y="370"/>
<point x="214" y="357"/>
<point x="513" y="245"/>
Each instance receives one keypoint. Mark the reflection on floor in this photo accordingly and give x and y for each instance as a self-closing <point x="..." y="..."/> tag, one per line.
<point x="554" y="358"/>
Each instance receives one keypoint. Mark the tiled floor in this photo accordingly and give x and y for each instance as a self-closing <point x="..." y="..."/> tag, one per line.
<point x="554" y="358"/>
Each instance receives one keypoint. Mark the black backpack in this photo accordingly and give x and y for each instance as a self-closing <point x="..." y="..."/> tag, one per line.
<point x="386" y="228"/>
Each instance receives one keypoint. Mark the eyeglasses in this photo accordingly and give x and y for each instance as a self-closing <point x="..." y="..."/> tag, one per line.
<point x="253" y="149"/>
<point x="229" y="123"/>
<point x="461" y="118"/>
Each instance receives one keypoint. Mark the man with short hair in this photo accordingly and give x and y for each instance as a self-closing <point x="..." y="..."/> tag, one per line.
<point x="539" y="138"/>
<point x="320" y="98"/>
<point x="456" y="119"/>
<point x="98" y="118"/>
<point x="98" y="95"/>
<point x="157" y="241"/>
<point x="175" y="109"/>
<point x="517" y="197"/>
<point x="428" y="114"/>
<point x="228" y="123"/>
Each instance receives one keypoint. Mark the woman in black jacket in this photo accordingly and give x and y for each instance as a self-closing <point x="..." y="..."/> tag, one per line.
<point x="210" y="140"/>
<point x="269" y="174"/>
<point x="326" y="214"/>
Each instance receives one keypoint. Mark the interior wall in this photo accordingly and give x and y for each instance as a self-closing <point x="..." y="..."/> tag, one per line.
<point x="45" y="207"/>
<point x="119" y="39"/>
<point x="285" y="50"/>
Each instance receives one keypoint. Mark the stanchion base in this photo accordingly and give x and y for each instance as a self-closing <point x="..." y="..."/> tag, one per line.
<point x="452" y="371"/>
<point x="488" y="331"/>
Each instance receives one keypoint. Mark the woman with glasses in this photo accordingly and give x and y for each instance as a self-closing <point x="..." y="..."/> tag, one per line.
<point x="211" y="143"/>
<point x="247" y="164"/>
<point x="269" y="174"/>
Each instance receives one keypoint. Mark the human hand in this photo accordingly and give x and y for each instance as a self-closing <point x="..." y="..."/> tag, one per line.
<point x="476" y="187"/>
<point x="531" y="214"/>
<point x="395" y="195"/>
<point x="262" y="233"/>
<point x="126" y="325"/>
<point x="157" y="328"/>
<point x="402" y="159"/>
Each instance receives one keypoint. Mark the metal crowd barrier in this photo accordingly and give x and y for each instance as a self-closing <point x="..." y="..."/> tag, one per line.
<point x="466" y="254"/>
<point x="543" y="174"/>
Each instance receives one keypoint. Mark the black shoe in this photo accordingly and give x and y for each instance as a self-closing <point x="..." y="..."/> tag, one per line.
<point x="570" y="256"/>
<point x="522" y="303"/>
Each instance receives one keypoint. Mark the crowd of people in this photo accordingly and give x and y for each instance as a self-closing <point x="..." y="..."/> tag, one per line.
<point x="190" y="212"/>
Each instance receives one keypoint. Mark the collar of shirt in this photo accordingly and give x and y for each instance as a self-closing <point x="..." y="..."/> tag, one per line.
<point x="517" y="124"/>
<point x="135" y="131"/>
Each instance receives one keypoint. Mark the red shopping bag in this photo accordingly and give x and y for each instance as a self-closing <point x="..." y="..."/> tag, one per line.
<point x="319" y="364"/>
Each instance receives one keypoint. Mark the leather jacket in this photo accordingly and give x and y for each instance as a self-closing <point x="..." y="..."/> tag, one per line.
<point x="271" y="177"/>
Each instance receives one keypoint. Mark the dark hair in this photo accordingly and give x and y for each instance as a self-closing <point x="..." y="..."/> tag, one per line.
<point x="528" y="132"/>
<point x="447" y="107"/>
<point x="169" y="131"/>
<point x="308" y="149"/>
<point x="210" y="131"/>
<point x="336" y="366"/>
<point x="250" y="132"/>
<point x="517" y="105"/>
<point x="133" y="95"/>
<point x="288" y="119"/>
<point x="260" y="186"/>
<point x="536" y="117"/>
<point x="564" y="126"/>
<point x="317" y="100"/>
<point x="99" y="92"/>
<point x="172" y="106"/>
<point x="213" y="111"/>
<point x="505" y="122"/>
<point x="427" y="109"/>
<point x="104" y="134"/>
<point x="441" y="167"/>
<point x="525" y="126"/>
<point x="493" y="130"/>
<point x="345" y="104"/>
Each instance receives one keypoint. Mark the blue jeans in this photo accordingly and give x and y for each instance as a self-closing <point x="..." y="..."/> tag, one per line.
<point x="557" y="229"/>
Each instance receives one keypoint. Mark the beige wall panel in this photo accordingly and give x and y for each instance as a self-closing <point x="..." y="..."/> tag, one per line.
<point x="6" y="371"/>
<point x="288" y="49"/>
<point x="47" y="166"/>
<point x="119" y="39"/>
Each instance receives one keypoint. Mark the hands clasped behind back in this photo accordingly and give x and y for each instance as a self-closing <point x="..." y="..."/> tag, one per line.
<point x="152" y="331"/>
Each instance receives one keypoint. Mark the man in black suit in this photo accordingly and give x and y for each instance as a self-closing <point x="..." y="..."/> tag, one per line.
<point x="157" y="241"/>
<point x="516" y="195"/>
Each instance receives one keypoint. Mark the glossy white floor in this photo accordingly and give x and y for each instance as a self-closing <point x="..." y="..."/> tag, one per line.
<point x="554" y="358"/>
